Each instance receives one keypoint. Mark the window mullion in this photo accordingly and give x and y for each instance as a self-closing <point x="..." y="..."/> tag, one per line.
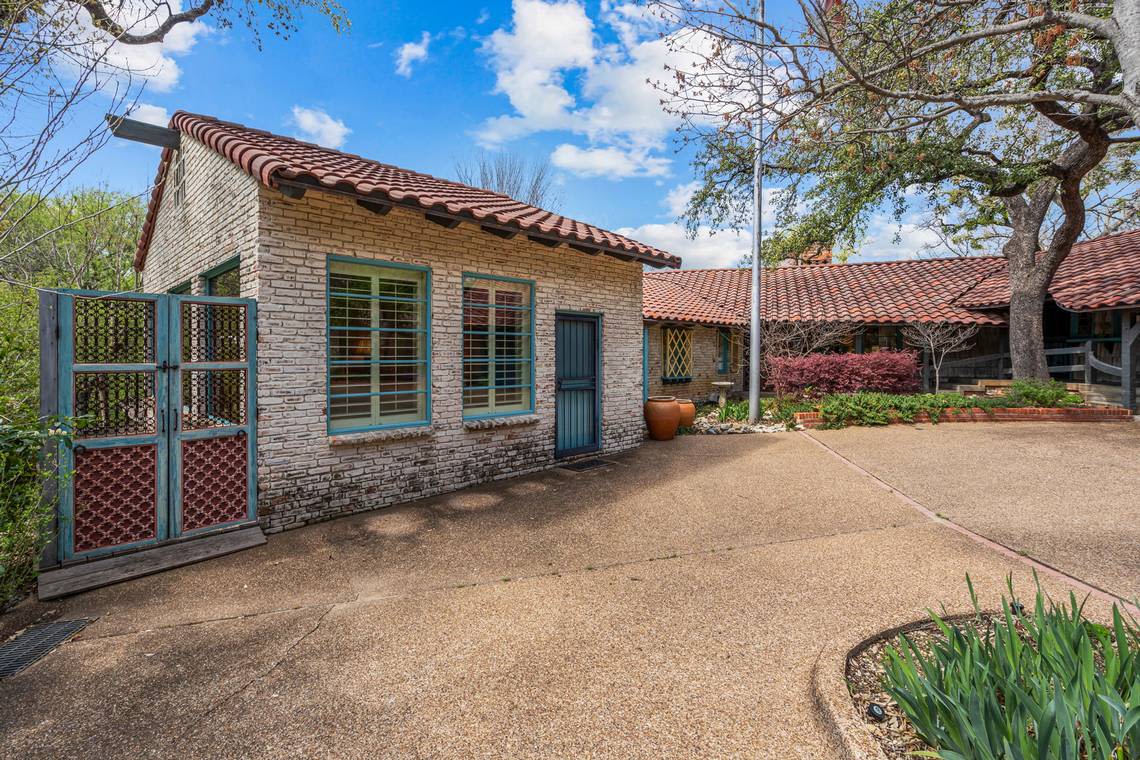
<point x="374" y="350"/>
<point x="492" y="343"/>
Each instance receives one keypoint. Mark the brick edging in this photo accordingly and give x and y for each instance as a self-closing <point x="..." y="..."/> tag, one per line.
<point x="1011" y="414"/>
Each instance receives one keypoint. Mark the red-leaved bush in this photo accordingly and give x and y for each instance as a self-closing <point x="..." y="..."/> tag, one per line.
<point x="820" y="374"/>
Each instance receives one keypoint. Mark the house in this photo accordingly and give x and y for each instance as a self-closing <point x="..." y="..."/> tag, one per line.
<point x="414" y="335"/>
<point x="696" y="319"/>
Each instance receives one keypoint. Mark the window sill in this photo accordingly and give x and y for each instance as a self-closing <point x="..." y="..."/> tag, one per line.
<point x="676" y="380"/>
<point x="379" y="436"/>
<point x="489" y="423"/>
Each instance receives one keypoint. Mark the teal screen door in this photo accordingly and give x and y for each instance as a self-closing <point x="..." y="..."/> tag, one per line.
<point x="577" y="384"/>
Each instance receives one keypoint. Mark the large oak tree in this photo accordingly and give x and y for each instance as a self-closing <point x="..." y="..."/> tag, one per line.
<point x="1006" y="118"/>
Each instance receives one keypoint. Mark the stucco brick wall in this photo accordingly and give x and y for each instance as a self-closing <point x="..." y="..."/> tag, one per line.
<point x="306" y="475"/>
<point x="706" y="359"/>
<point x="303" y="474"/>
<point x="216" y="221"/>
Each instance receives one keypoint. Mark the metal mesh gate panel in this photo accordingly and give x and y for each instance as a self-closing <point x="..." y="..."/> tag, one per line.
<point x="212" y="447"/>
<point x="114" y="331"/>
<point x="114" y="497"/>
<point x="213" y="481"/>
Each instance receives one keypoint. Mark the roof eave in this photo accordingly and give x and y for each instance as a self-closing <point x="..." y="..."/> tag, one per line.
<point x="295" y="188"/>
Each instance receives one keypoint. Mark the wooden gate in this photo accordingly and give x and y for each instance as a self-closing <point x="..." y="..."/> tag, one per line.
<point x="160" y="393"/>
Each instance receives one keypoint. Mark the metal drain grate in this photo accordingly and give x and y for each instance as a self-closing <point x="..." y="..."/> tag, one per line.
<point x="586" y="464"/>
<point x="36" y="642"/>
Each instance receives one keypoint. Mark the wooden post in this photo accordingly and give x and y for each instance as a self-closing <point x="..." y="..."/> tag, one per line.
<point x="1129" y="347"/>
<point x="859" y="342"/>
<point x="1088" y="362"/>
<point x="49" y="406"/>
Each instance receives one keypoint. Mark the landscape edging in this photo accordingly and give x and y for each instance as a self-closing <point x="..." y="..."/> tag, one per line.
<point x="812" y="420"/>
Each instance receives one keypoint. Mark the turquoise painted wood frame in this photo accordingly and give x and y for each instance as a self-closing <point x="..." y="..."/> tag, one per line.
<point x="598" y="442"/>
<point x="529" y="333"/>
<point x="425" y="331"/>
<point x="210" y="274"/>
<point x="724" y="358"/>
<point x="167" y="437"/>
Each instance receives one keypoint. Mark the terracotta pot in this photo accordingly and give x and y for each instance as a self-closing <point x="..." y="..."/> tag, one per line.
<point x="688" y="411"/>
<point x="663" y="416"/>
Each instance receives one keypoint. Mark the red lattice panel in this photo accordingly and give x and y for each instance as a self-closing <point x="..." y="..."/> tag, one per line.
<point x="115" y="497"/>
<point x="213" y="481"/>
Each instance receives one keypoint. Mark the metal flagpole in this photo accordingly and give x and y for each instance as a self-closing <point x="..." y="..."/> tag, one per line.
<point x="757" y="249"/>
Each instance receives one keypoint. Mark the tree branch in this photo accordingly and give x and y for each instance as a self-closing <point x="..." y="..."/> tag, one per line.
<point x="103" y="21"/>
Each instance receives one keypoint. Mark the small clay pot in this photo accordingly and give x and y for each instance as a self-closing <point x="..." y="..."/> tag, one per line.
<point x="663" y="416"/>
<point x="688" y="411"/>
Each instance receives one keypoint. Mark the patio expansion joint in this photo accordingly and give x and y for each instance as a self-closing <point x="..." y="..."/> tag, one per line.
<point x="614" y="565"/>
<point x="1037" y="565"/>
<point x="459" y="585"/>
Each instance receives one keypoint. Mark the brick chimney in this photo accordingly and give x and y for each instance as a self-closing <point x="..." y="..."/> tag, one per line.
<point x="817" y="253"/>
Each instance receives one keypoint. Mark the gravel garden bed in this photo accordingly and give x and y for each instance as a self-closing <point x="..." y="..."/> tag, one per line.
<point x="864" y="674"/>
<point x="1040" y="682"/>
<point x="710" y="421"/>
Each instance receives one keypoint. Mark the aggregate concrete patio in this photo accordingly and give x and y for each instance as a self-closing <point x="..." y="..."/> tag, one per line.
<point x="672" y="605"/>
<point x="1066" y="494"/>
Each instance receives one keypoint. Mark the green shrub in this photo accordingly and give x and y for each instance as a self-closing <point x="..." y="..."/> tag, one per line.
<point x="1040" y="393"/>
<point x="735" y="411"/>
<point x="1050" y="684"/>
<point x="881" y="408"/>
<point x="24" y="515"/>
<point x="784" y="410"/>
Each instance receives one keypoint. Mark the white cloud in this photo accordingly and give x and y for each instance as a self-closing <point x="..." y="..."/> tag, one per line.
<point x="707" y="249"/>
<point x="880" y="243"/>
<point x="151" y="114"/>
<point x="151" y="64"/>
<point x="677" y="199"/>
<point x="548" y="41"/>
<point x="411" y="53"/>
<point x="317" y="126"/>
<point x="484" y="16"/>
<point x="612" y="162"/>
<point x="559" y="76"/>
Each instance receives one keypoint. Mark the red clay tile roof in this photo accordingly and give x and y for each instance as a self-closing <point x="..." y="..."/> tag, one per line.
<point x="708" y="296"/>
<point x="1097" y="274"/>
<point x="271" y="158"/>
<point x="888" y="292"/>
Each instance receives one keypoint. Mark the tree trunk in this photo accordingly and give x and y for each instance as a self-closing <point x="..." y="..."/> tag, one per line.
<point x="1026" y="326"/>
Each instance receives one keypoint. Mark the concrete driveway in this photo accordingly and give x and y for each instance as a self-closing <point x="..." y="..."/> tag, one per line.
<point x="672" y="605"/>
<point x="1066" y="494"/>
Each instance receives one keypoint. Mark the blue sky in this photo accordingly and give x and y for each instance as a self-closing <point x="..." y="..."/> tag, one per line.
<point x="421" y="85"/>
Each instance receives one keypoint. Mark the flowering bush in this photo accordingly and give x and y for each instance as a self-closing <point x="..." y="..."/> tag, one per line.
<point x="823" y="374"/>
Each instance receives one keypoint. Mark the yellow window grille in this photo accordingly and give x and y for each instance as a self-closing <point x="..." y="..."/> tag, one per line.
<point x="678" y="353"/>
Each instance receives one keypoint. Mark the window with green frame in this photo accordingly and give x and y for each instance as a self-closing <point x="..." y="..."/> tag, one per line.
<point x="677" y="354"/>
<point x="724" y="359"/>
<point x="379" y="345"/>
<point x="498" y="346"/>
<point x="224" y="280"/>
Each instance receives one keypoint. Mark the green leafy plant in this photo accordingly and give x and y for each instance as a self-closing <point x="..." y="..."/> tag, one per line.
<point x="24" y="514"/>
<point x="1034" y="392"/>
<point x="734" y="411"/>
<point x="882" y="408"/>
<point x="784" y="409"/>
<point x="1049" y="684"/>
